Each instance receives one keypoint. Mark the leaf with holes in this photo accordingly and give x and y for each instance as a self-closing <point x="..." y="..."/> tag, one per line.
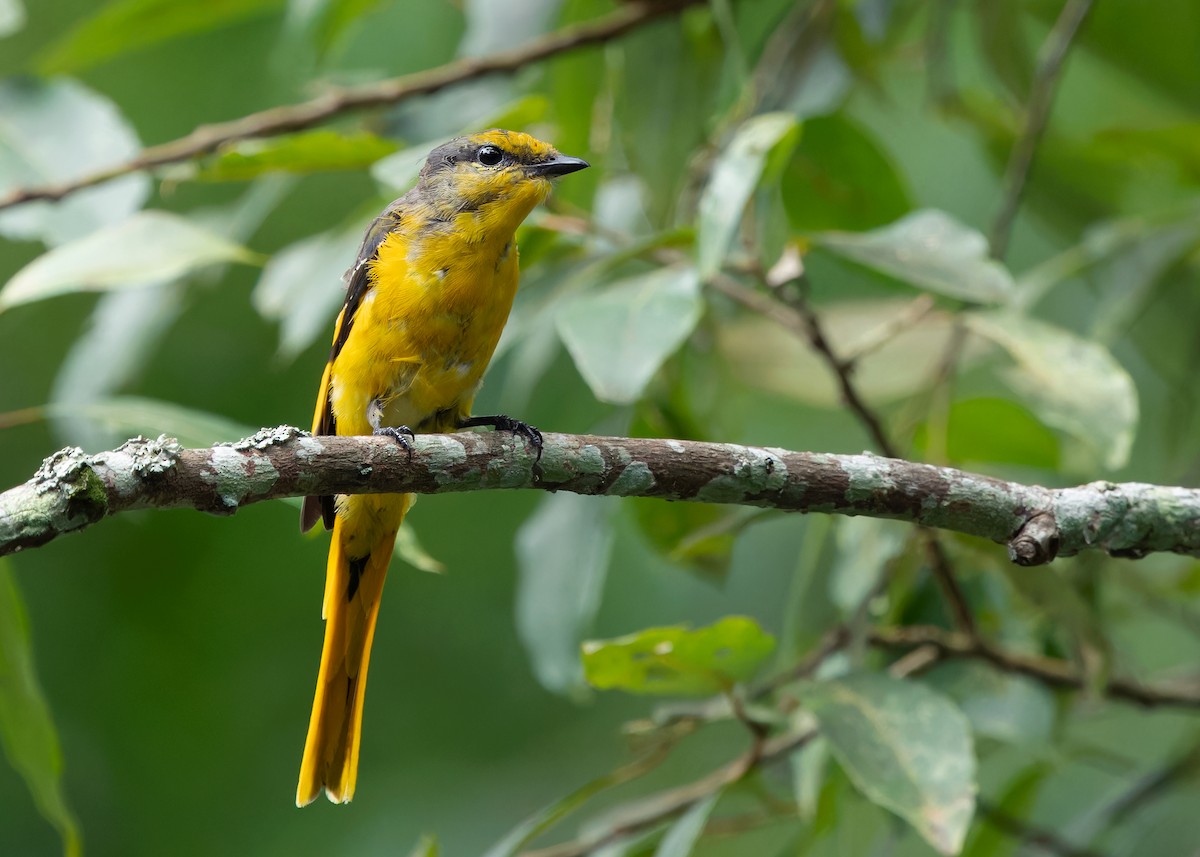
<point x="678" y="661"/>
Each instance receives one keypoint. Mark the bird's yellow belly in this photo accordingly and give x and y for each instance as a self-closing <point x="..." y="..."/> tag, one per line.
<point x="431" y="343"/>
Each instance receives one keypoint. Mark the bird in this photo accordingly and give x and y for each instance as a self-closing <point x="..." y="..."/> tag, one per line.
<point x="426" y="301"/>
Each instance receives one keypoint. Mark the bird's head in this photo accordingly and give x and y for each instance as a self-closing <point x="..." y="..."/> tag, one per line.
<point x="503" y="174"/>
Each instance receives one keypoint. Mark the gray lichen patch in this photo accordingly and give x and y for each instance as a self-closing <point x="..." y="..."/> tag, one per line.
<point x="762" y="469"/>
<point x="61" y="468"/>
<point x="585" y="465"/>
<point x="590" y="461"/>
<point x="449" y="457"/>
<point x="756" y="473"/>
<point x="267" y="437"/>
<point x="866" y="478"/>
<point x="308" y="447"/>
<point x="64" y="494"/>
<point x="236" y="475"/>
<point x="635" y="479"/>
<point x="448" y="451"/>
<point x="722" y="489"/>
<point x="130" y="463"/>
<point x="504" y="473"/>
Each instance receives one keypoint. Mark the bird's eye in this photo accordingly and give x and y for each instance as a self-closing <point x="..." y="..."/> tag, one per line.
<point x="489" y="156"/>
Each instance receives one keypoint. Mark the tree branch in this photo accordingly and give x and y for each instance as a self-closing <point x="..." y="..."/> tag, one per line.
<point x="72" y="490"/>
<point x="1050" y="671"/>
<point x="295" y="117"/>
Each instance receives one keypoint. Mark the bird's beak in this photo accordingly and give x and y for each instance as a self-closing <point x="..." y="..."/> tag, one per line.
<point x="560" y="165"/>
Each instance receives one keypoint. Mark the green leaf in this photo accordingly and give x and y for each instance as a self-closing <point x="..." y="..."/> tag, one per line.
<point x="841" y="178"/>
<point x="427" y="846"/>
<point x="905" y="747"/>
<point x="56" y="131"/>
<point x="562" y="556"/>
<point x="677" y="661"/>
<point x="12" y="17"/>
<point x="682" y="836"/>
<point x="699" y="535"/>
<point x="1129" y="254"/>
<point x="319" y="151"/>
<point x="126" y="25"/>
<point x="299" y="287"/>
<point x="621" y="335"/>
<point x="865" y="546"/>
<point x="1000" y="705"/>
<point x="149" y="247"/>
<point x="996" y="431"/>
<point x="736" y="173"/>
<point x="1072" y="384"/>
<point x="26" y="727"/>
<point x="931" y="250"/>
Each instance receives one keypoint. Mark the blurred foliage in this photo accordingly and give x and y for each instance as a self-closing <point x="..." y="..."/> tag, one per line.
<point x="864" y="142"/>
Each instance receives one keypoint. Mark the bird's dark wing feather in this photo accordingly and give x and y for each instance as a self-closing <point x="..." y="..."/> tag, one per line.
<point x="358" y="284"/>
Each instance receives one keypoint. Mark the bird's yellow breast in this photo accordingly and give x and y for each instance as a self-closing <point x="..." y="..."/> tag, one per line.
<point x="425" y="331"/>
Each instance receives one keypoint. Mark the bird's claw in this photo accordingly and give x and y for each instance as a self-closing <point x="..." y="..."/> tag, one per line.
<point x="402" y="435"/>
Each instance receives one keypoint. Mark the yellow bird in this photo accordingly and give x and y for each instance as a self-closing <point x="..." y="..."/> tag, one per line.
<point x="426" y="302"/>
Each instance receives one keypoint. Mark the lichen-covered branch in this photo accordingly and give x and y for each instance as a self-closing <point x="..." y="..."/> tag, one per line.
<point x="72" y="490"/>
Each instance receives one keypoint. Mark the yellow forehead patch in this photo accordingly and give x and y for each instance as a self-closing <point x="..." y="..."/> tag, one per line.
<point x="524" y="147"/>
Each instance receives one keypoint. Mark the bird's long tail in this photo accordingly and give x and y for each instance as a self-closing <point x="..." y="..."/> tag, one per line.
<point x="358" y="563"/>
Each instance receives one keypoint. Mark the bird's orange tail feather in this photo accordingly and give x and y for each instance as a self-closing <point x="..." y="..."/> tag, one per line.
<point x="352" y="592"/>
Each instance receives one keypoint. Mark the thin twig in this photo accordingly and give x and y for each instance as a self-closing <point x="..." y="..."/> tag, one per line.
<point x="799" y="318"/>
<point x="880" y="335"/>
<point x="1050" y="671"/>
<point x="659" y="807"/>
<point x="794" y="294"/>
<point x="1037" y="112"/>
<point x="337" y="102"/>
